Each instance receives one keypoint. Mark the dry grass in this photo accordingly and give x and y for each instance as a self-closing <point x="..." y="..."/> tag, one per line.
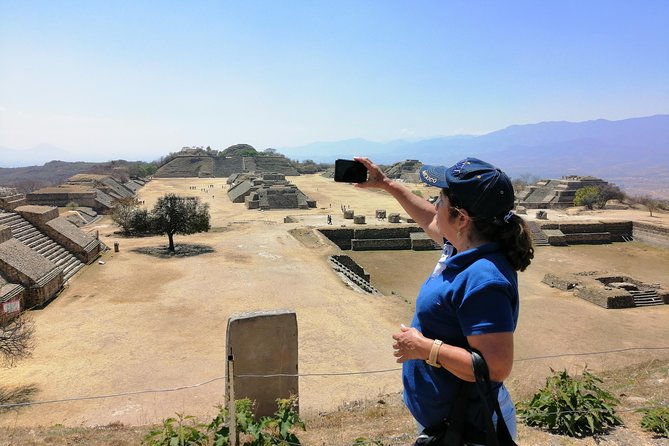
<point x="386" y="420"/>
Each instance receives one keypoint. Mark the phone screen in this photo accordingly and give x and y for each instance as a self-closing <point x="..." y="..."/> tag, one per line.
<point x="349" y="171"/>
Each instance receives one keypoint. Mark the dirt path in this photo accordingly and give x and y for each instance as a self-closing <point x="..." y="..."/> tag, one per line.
<point x="140" y="323"/>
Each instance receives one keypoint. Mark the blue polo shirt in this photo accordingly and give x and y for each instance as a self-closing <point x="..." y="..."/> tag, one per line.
<point x="477" y="293"/>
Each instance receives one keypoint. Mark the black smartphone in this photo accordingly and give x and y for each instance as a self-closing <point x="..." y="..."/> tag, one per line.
<point x="349" y="171"/>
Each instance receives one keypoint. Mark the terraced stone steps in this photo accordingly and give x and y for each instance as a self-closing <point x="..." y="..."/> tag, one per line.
<point x="357" y="281"/>
<point x="29" y="235"/>
<point x="646" y="298"/>
<point x="538" y="236"/>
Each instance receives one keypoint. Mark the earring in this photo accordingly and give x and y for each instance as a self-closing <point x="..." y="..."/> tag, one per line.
<point x="459" y="234"/>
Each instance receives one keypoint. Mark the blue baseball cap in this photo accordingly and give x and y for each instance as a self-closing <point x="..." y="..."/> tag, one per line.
<point x="479" y="187"/>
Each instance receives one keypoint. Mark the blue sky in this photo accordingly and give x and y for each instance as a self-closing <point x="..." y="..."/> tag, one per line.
<point x="139" y="79"/>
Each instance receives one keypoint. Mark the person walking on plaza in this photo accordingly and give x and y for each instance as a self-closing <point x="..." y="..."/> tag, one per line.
<point x="471" y="299"/>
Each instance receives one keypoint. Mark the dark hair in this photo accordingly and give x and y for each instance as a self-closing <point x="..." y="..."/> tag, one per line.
<point x="513" y="235"/>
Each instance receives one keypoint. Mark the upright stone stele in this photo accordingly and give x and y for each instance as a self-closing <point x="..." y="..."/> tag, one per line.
<point x="263" y="343"/>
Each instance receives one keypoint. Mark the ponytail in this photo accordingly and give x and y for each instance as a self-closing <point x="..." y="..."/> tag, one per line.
<point x="512" y="234"/>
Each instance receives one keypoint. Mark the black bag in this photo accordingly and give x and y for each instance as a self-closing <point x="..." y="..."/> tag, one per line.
<point x="455" y="431"/>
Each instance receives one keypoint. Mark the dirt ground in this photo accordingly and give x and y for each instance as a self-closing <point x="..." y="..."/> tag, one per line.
<point x="147" y="334"/>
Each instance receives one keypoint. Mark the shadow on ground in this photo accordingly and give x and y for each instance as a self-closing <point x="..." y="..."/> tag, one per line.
<point x="182" y="250"/>
<point x="17" y="395"/>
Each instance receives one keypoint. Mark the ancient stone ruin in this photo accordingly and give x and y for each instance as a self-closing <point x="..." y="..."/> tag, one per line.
<point x="187" y="165"/>
<point x="354" y="275"/>
<point x="89" y="191"/>
<point x="39" y="252"/>
<point x="597" y="232"/>
<point x="545" y="194"/>
<point x="609" y="291"/>
<point x="404" y="171"/>
<point x="380" y="238"/>
<point x="267" y="191"/>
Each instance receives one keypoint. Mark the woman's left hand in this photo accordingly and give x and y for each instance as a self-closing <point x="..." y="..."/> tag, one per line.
<point x="410" y="344"/>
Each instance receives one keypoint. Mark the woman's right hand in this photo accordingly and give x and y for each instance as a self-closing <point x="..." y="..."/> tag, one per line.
<point x="376" y="178"/>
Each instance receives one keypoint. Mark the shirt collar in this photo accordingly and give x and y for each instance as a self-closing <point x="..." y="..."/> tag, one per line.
<point x="463" y="259"/>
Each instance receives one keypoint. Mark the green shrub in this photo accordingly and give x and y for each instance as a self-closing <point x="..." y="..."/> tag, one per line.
<point x="575" y="407"/>
<point x="656" y="420"/>
<point x="180" y="431"/>
<point x="268" y="431"/>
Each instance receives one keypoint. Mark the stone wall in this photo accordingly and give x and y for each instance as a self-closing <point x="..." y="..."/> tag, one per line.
<point x="612" y="299"/>
<point x="587" y="238"/>
<point x="380" y="244"/>
<point x="5" y="233"/>
<point x="651" y="234"/>
<point x="561" y="283"/>
<point x="353" y="266"/>
<point x="421" y="242"/>
<point x="37" y="215"/>
<point x="41" y="278"/>
<point x="62" y="196"/>
<point x="592" y="232"/>
<point x="84" y="246"/>
<point x="340" y="237"/>
<point x="379" y="238"/>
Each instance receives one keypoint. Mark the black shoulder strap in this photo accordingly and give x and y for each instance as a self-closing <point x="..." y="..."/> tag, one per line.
<point x="501" y="435"/>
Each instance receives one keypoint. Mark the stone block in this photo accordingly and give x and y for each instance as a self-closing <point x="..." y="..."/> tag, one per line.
<point x="348" y="214"/>
<point x="381" y="214"/>
<point x="394" y="218"/>
<point x="359" y="219"/>
<point x="263" y="343"/>
<point x="561" y="283"/>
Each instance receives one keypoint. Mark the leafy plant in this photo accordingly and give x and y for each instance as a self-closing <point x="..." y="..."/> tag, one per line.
<point x="575" y="407"/>
<point x="268" y="431"/>
<point x="179" y="431"/>
<point x="656" y="420"/>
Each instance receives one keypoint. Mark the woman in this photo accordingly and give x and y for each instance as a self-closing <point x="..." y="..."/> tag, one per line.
<point x="471" y="299"/>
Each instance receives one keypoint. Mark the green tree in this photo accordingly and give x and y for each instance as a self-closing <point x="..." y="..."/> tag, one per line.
<point x="588" y="196"/>
<point x="174" y="214"/>
<point x="130" y="217"/>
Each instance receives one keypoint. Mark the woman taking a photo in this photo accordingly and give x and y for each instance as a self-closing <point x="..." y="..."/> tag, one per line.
<point x="471" y="298"/>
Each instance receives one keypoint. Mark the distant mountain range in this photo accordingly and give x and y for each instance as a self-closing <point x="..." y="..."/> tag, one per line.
<point x="632" y="153"/>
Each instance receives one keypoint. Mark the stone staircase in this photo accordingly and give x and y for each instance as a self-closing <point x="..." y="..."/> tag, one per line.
<point x="646" y="298"/>
<point x="26" y="233"/>
<point x="350" y="277"/>
<point x="538" y="236"/>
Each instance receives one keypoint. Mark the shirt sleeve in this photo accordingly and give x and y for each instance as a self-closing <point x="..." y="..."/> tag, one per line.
<point x="487" y="308"/>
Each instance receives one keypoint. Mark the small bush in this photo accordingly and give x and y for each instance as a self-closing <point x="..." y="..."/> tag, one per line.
<point x="575" y="407"/>
<point x="656" y="420"/>
<point x="179" y="431"/>
<point x="268" y="431"/>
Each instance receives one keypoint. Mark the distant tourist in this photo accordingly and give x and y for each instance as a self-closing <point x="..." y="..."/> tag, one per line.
<point x="471" y="298"/>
